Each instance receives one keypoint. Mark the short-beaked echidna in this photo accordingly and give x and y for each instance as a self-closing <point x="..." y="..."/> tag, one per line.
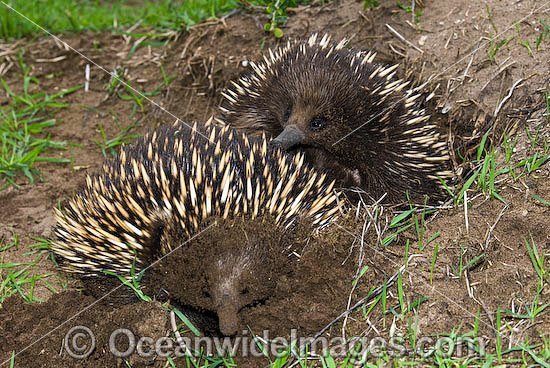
<point x="351" y="116"/>
<point x="158" y="193"/>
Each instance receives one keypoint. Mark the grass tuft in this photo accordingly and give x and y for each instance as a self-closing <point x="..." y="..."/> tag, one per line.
<point x="164" y="15"/>
<point x="20" y="278"/>
<point x="22" y="124"/>
<point x="66" y="15"/>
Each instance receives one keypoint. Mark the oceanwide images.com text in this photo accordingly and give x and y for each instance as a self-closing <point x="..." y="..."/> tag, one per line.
<point x="80" y="343"/>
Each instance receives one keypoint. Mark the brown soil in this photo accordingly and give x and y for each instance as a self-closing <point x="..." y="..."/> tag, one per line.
<point x="313" y="290"/>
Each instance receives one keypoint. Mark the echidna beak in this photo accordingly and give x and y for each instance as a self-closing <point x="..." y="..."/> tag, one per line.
<point x="289" y="137"/>
<point x="227" y="316"/>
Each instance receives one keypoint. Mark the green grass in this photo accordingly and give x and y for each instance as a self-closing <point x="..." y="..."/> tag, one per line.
<point x="544" y="35"/>
<point x="434" y="257"/>
<point x="163" y="15"/>
<point x="407" y="309"/>
<point x="21" y="278"/>
<point x="408" y="8"/>
<point x="111" y="144"/>
<point x="488" y="177"/>
<point x="133" y="282"/>
<point x="67" y="15"/>
<point x="370" y="4"/>
<point x="22" y="124"/>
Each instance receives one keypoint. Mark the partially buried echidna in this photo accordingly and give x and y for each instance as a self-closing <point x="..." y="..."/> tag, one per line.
<point x="350" y="115"/>
<point x="169" y="186"/>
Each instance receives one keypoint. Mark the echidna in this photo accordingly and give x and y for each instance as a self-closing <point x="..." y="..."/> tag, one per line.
<point x="350" y="115"/>
<point x="163" y="190"/>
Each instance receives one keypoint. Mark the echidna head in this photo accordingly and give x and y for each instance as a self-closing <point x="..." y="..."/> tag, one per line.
<point x="236" y="280"/>
<point x="331" y="114"/>
<point x="320" y="110"/>
<point x="232" y="267"/>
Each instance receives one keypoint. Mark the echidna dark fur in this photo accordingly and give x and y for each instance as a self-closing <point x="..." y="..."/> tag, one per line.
<point x="351" y="116"/>
<point x="160" y="192"/>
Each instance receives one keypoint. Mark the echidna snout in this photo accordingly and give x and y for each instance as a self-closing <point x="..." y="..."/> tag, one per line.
<point x="228" y="307"/>
<point x="289" y="137"/>
<point x="229" y="290"/>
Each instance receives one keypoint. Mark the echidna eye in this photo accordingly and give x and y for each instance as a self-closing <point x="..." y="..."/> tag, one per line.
<point x="286" y="116"/>
<point x="317" y="123"/>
